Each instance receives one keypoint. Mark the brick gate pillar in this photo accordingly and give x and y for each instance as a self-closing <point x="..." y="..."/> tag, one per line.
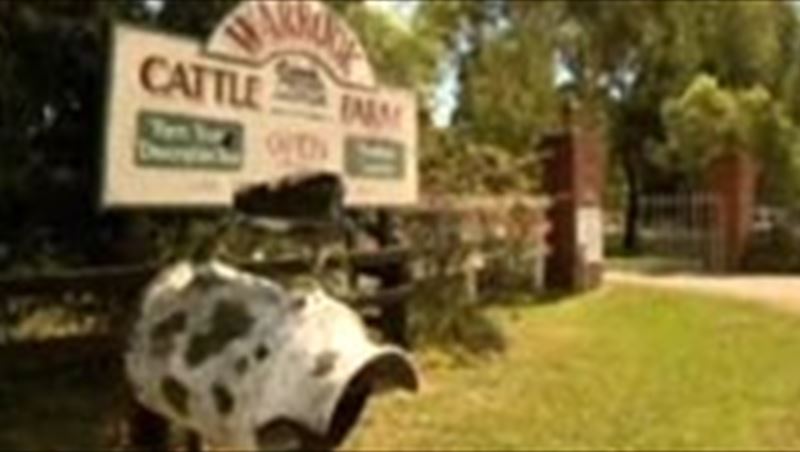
<point x="574" y="178"/>
<point x="732" y="178"/>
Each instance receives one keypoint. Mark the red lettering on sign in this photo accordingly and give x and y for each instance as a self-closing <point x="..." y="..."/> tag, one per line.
<point x="219" y="86"/>
<point x="296" y="149"/>
<point x="304" y="16"/>
<point x="252" y="89"/>
<point x="285" y="14"/>
<point x="200" y="83"/>
<point x="371" y="113"/>
<point x="245" y="34"/>
<point x="269" y="25"/>
<point x="180" y="82"/>
<point x="149" y="65"/>
<point x="276" y="22"/>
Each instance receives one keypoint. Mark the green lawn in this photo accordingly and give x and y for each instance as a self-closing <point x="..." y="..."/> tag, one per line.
<point x="622" y="368"/>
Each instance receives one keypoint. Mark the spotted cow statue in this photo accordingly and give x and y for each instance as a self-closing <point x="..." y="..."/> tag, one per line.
<point x="250" y="366"/>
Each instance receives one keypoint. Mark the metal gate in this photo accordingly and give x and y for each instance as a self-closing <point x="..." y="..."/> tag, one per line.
<point x="681" y="231"/>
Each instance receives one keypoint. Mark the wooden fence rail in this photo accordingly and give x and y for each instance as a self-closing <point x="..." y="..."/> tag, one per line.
<point x="116" y="280"/>
<point x="115" y="290"/>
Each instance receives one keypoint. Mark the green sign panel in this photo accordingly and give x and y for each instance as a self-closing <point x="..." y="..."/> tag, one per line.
<point x="170" y="140"/>
<point x="374" y="158"/>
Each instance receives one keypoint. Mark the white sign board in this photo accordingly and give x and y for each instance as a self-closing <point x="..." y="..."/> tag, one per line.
<point x="280" y="88"/>
<point x="590" y="233"/>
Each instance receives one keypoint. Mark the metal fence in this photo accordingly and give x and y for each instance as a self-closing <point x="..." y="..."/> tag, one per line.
<point x="680" y="232"/>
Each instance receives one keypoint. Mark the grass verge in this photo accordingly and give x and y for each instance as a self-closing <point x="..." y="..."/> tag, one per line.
<point x="621" y="368"/>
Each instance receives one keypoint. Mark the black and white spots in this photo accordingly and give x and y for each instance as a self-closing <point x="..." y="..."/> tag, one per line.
<point x="246" y="363"/>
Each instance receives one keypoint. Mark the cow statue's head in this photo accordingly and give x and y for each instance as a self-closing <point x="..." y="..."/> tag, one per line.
<point x="245" y="364"/>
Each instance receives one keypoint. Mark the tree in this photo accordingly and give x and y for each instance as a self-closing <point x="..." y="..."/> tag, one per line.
<point x="53" y="57"/>
<point x="508" y="97"/>
<point x="708" y="120"/>
<point x="52" y="72"/>
<point x="502" y="55"/>
<point x="629" y="57"/>
<point x="401" y="53"/>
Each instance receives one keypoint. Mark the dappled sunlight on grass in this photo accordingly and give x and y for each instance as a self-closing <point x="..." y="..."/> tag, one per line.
<point x="620" y="368"/>
<point x="624" y="368"/>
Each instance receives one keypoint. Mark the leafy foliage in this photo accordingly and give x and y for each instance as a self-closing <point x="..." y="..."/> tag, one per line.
<point x="471" y="251"/>
<point x="401" y="54"/>
<point x="774" y="251"/>
<point x="53" y="58"/>
<point x="502" y="55"/>
<point x="625" y="59"/>
<point x="453" y="164"/>
<point x="621" y="60"/>
<point x="707" y="120"/>
<point x="507" y="96"/>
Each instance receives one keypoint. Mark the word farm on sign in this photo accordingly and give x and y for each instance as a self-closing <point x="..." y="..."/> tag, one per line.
<point x="279" y="88"/>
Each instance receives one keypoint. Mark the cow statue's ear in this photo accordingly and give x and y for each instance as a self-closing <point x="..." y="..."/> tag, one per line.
<point x="388" y="370"/>
<point x="316" y="198"/>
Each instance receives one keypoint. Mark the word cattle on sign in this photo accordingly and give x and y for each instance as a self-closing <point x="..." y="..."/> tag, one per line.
<point x="280" y="88"/>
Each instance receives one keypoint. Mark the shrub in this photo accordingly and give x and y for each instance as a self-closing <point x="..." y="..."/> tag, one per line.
<point x="472" y="251"/>
<point x="776" y="250"/>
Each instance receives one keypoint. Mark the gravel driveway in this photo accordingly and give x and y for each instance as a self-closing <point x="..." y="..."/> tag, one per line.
<point x="779" y="291"/>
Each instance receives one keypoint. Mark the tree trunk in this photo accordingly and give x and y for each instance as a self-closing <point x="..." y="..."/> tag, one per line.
<point x="630" y="239"/>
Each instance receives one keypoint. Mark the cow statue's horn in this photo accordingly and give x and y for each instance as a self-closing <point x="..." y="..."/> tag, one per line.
<point x="240" y="361"/>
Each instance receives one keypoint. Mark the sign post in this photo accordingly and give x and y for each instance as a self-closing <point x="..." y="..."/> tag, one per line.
<point x="279" y="88"/>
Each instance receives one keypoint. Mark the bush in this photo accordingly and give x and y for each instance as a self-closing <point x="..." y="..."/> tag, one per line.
<point x="471" y="253"/>
<point x="442" y="314"/>
<point x="776" y="251"/>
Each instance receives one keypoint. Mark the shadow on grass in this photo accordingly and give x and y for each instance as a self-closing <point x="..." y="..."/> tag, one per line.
<point x="522" y="299"/>
<point x="51" y="403"/>
<point x="58" y="405"/>
<point x="446" y="320"/>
